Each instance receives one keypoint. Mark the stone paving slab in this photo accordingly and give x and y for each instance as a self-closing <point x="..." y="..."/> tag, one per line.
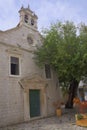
<point x="65" y="122"/>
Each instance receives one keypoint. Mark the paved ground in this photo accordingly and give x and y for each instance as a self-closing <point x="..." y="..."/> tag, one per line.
<point x="65" y="122"/>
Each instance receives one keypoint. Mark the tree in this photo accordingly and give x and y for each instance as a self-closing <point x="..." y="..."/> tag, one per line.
<point x="65" y="49"/>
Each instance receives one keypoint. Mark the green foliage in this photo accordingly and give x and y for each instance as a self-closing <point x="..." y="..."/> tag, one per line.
<point x="65" y="90"/>
<point x="65" y="49"/>
<point x="79" y="116"/>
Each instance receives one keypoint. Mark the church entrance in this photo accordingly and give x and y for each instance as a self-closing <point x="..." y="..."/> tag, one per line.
<point x="34" y="102"/>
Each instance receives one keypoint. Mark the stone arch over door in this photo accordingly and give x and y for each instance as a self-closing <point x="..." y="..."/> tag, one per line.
<point x="34" y="82"/>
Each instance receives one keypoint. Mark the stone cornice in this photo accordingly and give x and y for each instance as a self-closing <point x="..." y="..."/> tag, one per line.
<point x="17" y="47"/>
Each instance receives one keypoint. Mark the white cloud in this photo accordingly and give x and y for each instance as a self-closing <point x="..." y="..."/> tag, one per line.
<point x="9" y="16"/>
<point x="8" y="10"/>
<point x="48" y="11"/>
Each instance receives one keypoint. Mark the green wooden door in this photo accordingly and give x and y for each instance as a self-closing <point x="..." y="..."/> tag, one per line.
<point x="34" y="98"/>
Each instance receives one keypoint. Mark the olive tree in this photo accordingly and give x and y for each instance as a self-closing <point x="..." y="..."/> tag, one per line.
<point x="64" y="48"/>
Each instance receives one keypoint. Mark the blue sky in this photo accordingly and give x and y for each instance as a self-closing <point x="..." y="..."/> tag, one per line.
<point x="48" y="11"/>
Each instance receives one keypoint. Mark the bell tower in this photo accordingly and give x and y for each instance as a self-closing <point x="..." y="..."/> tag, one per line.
<point x="28" y="17"/>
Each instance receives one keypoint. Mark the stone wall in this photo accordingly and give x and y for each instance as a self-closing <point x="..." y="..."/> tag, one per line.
<point x="14" y="43"/>
<point x="11" y="92"/>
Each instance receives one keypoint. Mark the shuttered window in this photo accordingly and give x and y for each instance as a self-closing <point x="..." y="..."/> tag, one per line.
<point x="14" y="66"/>
<point x="47" y="71"/>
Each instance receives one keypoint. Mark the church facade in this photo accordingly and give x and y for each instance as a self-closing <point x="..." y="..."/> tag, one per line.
<point x="26" y="91"/>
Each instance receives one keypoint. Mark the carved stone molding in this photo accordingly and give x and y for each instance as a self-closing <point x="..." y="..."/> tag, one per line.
<point x="33" y="81"/>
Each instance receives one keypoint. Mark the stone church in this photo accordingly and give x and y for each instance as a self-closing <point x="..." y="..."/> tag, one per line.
<point x="26" y="91"/>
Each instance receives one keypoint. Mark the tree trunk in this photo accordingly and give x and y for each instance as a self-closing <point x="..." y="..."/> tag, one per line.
<point x="72" y="93"/>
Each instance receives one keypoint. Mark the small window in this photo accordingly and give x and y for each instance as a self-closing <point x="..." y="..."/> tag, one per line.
<point x="30" y="40"/>
<point x="48" y="71"/>
<point x="26" y="18"/>
<point x="32" y="22"/>
<point x="14" y="66"/>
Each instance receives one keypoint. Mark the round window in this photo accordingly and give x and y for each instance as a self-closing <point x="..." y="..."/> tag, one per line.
<point x="30" y="40"/>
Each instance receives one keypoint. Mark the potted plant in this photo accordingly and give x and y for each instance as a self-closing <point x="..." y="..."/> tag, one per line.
<point x="57" y="106"/>
<point x="81" y="119"/>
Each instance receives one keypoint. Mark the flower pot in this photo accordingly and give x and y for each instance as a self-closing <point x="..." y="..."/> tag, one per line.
<point x="58" y="112"/>
<point x="82" y="120"/>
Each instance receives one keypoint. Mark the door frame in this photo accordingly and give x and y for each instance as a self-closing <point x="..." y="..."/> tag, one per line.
<point x="43" y="105"/>
<point x="34" y="81"/>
